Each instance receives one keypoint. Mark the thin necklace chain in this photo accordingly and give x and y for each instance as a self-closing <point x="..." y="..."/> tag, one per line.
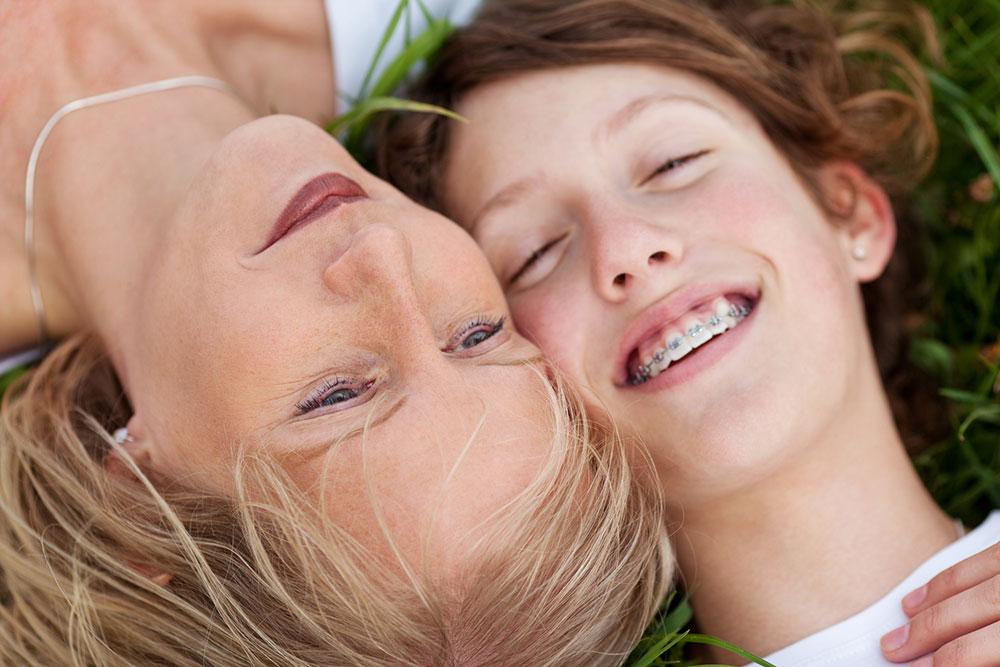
<point x="62" y="112"/>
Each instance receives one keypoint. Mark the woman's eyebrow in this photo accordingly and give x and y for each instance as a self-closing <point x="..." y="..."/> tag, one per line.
<point x="325" y="446"/>
<point x="524" y="361"/>
<point x="624" y="116"/>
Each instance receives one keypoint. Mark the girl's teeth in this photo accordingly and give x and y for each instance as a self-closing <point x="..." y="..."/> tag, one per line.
<point x="677" y="345"/>
<point x="717" y="323"/>
<point x="658" y="364"/>
<point x="697" y="333"/>
<point x="724" y="310"/>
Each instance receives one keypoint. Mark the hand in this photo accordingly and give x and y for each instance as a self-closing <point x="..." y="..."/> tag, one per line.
<point x="954" y="619"/>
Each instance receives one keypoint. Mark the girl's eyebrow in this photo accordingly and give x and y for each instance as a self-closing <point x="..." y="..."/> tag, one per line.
<point x="617" y="122"/>
<point x="620" y="119"/>
<point x="506" y="196"/>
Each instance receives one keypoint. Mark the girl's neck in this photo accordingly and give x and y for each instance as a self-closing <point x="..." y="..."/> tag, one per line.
<point x="819" y="541"/>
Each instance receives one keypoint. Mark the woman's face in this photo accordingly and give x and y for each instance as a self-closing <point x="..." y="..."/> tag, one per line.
<point x="301" y="305"/>
<point x="656" y="245"/>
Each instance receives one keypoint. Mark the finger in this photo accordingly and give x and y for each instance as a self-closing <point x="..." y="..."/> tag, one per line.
<point x="944" y="622"/>
<point x="978" y="649"/>
<point x="957" y="578"/>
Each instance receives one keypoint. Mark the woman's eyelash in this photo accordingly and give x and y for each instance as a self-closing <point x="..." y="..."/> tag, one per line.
<point x="483" y="328"/>
<point x="330" y="393"/>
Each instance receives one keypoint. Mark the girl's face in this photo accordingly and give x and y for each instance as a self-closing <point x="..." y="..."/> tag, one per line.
<point x="301" y="305"/>
<point x="658" y="247"/>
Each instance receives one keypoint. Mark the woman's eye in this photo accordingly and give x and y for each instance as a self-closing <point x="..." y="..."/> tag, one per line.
<point x="476" y="333"/>
<point x="333" y="393"/>
<point x="339" y="396"/>
<point x="676" y="163"/>
<point x="476" y="338"/>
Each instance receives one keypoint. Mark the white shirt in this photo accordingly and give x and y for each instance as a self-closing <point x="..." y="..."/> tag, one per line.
<point x="855" y="641"/>
<point x="357" y="26"/>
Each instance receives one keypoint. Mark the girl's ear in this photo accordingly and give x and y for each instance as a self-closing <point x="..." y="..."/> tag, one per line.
<point x="862" y="213"/>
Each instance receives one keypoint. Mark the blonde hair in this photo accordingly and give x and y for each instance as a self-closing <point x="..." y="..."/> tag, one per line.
<point x="570" y="574"/>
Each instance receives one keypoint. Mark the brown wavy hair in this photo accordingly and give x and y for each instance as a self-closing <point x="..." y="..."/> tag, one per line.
<point x="569" y="573"/>
<point x="827" y="80"/>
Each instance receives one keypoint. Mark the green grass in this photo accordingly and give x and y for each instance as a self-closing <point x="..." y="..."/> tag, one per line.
<point x="376" y="94"/>
<point x="958" y="340"/>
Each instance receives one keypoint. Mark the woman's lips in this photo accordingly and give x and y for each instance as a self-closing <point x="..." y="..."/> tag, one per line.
<point x="317" y="197"/>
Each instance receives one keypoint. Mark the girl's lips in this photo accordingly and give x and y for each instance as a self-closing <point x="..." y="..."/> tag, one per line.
<point x="679" y="338"/>
<point x="320" y="195"/>
<point x="668" y="310"/>
<point x="697" y="361"/>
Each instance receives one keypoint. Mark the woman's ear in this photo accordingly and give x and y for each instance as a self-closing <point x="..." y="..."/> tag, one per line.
<point x="130" y="461"/>
<point x="861" y="210"/>
<point x="132" y="455"/>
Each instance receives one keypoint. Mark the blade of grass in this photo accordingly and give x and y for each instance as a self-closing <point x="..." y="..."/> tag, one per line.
<point x="990" y="413"/>
<point x="422" y="46"/>
<point x="416" y="51"/>
<point x="680" y="616"/>
<point x="980" y="141"/>
<point x="427" y="14"/>
<point x="943" y="84"/>
<point x="377" y="104"/>
<point x="721" y="643"/>
<point x="386" y="36"/>
<point x="981" y="471"/>
<point x="658" y="649"/>
<point x="965" y="396"/>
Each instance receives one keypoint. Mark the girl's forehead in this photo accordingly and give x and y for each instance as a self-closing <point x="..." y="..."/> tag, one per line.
<point x="607" y="96"/>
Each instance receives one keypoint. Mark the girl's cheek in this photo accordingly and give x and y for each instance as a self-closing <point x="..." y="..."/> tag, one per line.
<point x="554" y="317"/>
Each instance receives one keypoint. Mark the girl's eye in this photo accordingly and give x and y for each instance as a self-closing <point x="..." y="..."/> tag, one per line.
<point x="675" y="163"/>
<point x="475" y="333"/>
<point x="534" y="260"/>
<point x="331" y="394"/>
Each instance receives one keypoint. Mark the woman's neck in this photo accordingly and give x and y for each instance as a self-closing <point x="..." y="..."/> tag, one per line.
<point x="822" y="539"/>
<point x="98" y="163"/>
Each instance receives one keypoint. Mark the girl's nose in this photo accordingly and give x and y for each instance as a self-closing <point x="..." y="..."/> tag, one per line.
<point x="628" y="251"/>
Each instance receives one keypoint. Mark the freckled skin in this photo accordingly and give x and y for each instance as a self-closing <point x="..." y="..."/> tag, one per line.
<point x="380" y="294"/>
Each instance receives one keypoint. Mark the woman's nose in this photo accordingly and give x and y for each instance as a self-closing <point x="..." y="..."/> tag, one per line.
<point x="376" y="265"/>
<point x="626" y="252"/>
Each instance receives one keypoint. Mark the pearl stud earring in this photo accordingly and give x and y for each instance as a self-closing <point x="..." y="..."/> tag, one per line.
<point x="859" y="253"/>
